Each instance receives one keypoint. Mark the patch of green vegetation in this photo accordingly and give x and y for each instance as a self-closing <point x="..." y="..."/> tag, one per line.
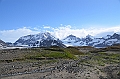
<point x="18" y="59"/>
<point x="48" y="61"/>
<point x="101" y="63"/>
<point x="110" y="58"/>
<point x="70" y="54"/>
<point x="60" y="55"/>
<point x="33" y="56"/>
<point x="101" y="58"/>
<point x="55" y="49"/>
<point x="96" y="61"/>
<point x="55" y="55"/>
<point x="50" y="52"/>
<point x="74" y="51"/>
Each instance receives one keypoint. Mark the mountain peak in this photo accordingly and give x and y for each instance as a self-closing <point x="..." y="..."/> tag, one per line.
<point x="38" y="40"/>
<point x="115" y="35"/>
<point x="72" y="38"/>
<point x="44" y="33"/>
<point x="89" y="36"/>
<point x="91" y="41"/>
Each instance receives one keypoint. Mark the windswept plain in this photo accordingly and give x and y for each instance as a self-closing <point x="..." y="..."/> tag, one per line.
<point x="60" y="63"/>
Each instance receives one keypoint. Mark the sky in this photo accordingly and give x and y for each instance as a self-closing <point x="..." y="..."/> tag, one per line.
<point x="59" y="17"/>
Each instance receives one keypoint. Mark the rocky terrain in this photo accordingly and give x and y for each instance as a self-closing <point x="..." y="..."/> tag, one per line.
<point x="2" y="44"/>
<point x="60" y="63"/>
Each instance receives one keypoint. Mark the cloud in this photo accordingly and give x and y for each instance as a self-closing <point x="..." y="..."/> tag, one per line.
<point x="13" y="35"/>
<point x="62" y="32"/>
<point x="46" y="27"/>
<point x="59" y="32"/>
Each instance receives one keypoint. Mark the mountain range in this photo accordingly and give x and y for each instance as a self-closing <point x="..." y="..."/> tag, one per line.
<point x="108" y="40"/>
<point x="47" y="40"/>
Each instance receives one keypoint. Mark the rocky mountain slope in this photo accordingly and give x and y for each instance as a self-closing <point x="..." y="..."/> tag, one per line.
<point x="2" y="43"/>
<point x="39" y="40"/>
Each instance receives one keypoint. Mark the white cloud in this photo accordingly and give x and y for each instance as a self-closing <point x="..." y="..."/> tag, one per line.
<point x="46" y="27"/>
<point x="13" y="35"/>
<point x="60" y="32"/>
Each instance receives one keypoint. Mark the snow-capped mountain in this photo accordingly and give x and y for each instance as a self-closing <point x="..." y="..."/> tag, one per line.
<point x="71" y="40"/>
<point x="91" y="41"/>
<point x="2" y="44"/>
<point x="47" y="40"/>
<point x="38" y="40"/>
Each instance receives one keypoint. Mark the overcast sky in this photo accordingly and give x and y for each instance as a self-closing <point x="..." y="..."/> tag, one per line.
<point x="59" y="17"/>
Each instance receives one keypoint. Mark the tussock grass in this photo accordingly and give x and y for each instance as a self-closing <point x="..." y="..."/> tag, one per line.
<point x="52" y="52"/>
<point x="102" y="58"/>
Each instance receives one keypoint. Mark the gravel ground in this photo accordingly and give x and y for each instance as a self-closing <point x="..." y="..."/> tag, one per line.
<point x="63" y="69"/>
